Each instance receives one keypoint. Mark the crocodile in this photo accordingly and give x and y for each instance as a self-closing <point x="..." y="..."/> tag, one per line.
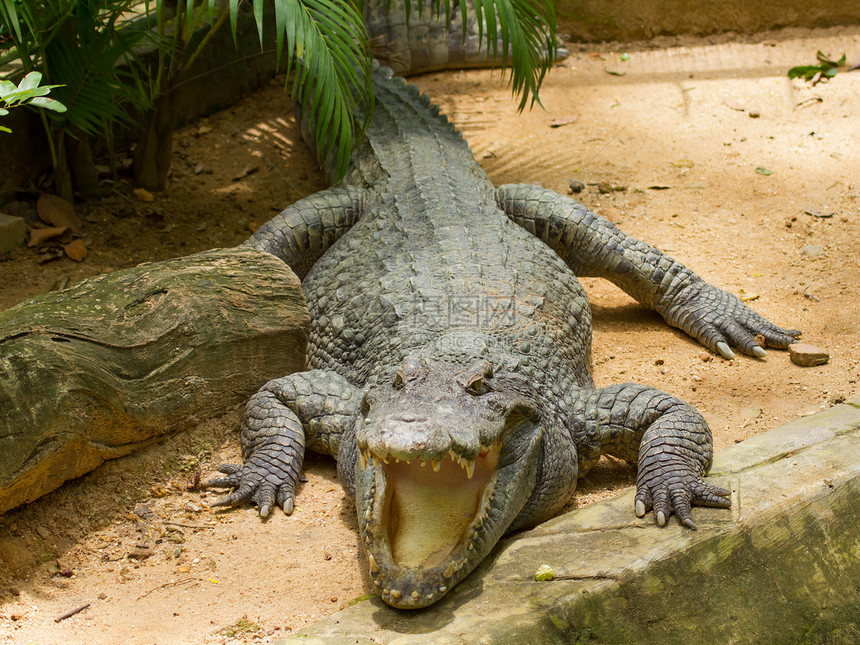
<point x="448" y="359"/>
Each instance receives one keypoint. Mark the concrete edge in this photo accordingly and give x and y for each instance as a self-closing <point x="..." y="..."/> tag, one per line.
<point x="782" y="566"/>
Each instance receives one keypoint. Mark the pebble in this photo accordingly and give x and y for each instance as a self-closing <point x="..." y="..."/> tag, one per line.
<point x="807" y="355"/>
<point x="139" y="554"/>
<point x="576" y="186"/>
<point x="812" y="250"/>
<point x="13" y="232"/>
<point x="143" y="511"/>
<point x="43" y="532"/>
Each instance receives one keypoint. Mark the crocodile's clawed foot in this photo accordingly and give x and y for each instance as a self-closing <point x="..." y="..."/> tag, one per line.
<point x="719" y="320"/>
<point x="260" y="481"/>
<point x="674" y="489"/>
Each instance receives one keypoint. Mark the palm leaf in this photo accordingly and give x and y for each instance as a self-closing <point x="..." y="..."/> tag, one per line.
<point x="9" y="15"/>
<point x="332" y="78"/>
<point x="526" y="29"/>
<point x="93" y="91"/>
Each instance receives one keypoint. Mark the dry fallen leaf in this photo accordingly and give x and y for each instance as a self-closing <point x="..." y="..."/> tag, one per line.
<point x="40" y="235"/>
<point x="76" y="250"/>
<point x="57" y="212"/>
<point x="820" y="214"/>
<point x="143" y="195"/>
<point x="567" y="120"/>
<point x="247" y="170"/>
<point x="733" y="105"/>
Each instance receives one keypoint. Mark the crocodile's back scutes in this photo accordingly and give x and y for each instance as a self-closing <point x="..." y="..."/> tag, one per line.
<point x="425" y="261"/>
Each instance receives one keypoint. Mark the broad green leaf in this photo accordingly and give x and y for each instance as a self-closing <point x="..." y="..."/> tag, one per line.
<point x="48" y="104"/>
<point x="30" y="81"/>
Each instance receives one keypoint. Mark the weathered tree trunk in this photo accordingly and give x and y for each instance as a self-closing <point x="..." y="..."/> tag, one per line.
<point x="97" y="370"/>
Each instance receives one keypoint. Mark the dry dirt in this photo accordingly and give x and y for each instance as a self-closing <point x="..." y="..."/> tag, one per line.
<point x="156" y="566"/>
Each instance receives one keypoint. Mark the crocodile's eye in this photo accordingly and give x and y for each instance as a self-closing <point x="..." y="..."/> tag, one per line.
<point x="478" y="386"/>
<point x="398" y="380"/>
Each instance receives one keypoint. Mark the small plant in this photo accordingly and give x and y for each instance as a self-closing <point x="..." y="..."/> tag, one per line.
<point x="824" y="71"/>
<point x="27" y="92"/>
<point x="75" y="45"/>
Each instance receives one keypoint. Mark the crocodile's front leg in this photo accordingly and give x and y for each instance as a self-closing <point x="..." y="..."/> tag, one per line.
<point x="669" y="438"/>
<point x="315" y="407"/>
<point x="592" y="246"/>
<point x="303" y="231"/>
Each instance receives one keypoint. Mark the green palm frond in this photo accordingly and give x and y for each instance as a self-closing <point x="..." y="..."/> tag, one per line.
<point x="326" y="43"/>
<point x="329" y="41"/>
<point x="9" y="17"/>
<point x="526" y="29"/>
<point x="93" y="91"/>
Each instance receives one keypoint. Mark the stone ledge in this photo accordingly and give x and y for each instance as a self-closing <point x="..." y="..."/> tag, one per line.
<point x="782" y="566"/>
<point x="594" y="20"/>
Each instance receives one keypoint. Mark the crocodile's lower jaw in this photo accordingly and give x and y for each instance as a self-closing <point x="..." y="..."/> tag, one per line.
<point x="422" y="528"/>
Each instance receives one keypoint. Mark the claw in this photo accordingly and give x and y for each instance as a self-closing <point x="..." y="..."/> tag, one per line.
<point x="264" y="510"/>
<point x="759" y="352"/>
<point x="689" y="523"/>
<point x="640" y="508"/>
<point x="288" y="506"/>
<point x="661" y="518"/>
<point x="724" y="350"/>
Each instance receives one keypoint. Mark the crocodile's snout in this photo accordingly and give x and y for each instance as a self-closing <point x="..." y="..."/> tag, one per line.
<point x="435" y="451"/>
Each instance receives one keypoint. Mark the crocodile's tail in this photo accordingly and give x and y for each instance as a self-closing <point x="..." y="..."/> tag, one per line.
<point x="427" y="40"/>
<point x="424" y="40"/>
<point x="397" y="103"/>
<point x="402" y="115"/>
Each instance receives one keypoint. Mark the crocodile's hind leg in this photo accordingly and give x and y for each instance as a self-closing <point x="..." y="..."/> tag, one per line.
<point x="670" y="440"/>
<point x="592" y="246"/>
<point x="302" y="232"/>
<point x="314" y="408"/>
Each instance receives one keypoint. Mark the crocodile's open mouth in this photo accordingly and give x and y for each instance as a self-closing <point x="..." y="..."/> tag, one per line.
<point x="422" y="522"/>
<point x="428" y="508"/>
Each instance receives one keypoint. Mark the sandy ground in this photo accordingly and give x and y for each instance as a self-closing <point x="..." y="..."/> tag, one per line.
<point x="668" y="150"/>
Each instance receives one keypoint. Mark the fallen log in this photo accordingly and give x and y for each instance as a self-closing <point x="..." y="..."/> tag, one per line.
<point x="99" y="369"/>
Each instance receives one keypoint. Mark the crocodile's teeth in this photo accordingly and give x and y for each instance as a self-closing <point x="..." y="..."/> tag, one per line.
<point x="373" y="566"/>
<point x="470" y="468"/>
<point x="375" y="460"/>
<point x="436" y="463"/>
<point x="362" y="456"/>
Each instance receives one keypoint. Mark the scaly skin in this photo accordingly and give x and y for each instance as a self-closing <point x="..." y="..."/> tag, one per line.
<point x="449" y="351"/>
